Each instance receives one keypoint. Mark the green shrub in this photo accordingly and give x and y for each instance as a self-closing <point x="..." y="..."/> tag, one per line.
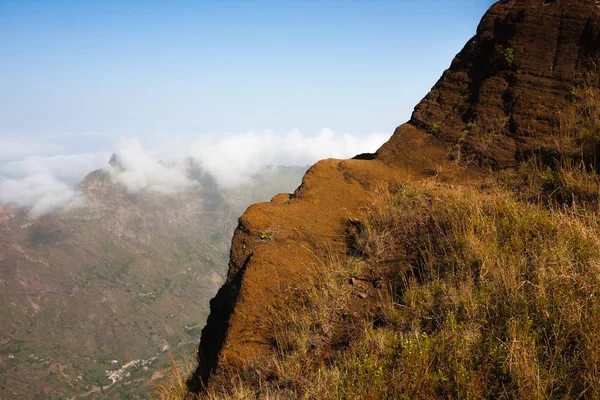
<point x="267" y="235"/>
<point x="509" y="56"/>
<point x="433" y="129"/>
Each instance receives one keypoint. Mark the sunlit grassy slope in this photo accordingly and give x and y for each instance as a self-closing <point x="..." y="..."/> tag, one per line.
<point x="487" y="291"/>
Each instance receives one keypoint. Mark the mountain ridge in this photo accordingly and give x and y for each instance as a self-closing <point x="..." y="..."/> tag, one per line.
<point x="494" y="108"/>
<point x="124" y="276"/>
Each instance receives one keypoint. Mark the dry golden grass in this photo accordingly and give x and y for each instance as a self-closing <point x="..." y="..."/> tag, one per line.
<point x="492" y="297"/>
<point x="487" y="293"/>
<point x="173" y="386"/>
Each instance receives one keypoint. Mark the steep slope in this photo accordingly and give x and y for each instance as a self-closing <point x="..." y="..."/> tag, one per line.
<point x="500" y="99"/>
<point x="125" y="277"/>
<point x="495" y="106"/>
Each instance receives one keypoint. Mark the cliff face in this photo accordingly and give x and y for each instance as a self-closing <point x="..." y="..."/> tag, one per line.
<point x="496" y="105"/>
<point x="278" y="243"/>
<point x="499" y="99"/>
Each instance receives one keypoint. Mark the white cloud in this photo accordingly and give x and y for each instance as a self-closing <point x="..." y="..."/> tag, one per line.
<point x="46" y="183"/>
<point x="40" y="191"/>
<point x="70" y="169"/>
<point x="138" y="170"/>
<point x="233" y="158"/>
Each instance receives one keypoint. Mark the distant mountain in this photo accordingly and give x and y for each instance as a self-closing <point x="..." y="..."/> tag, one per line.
<point x="108" y="289"/>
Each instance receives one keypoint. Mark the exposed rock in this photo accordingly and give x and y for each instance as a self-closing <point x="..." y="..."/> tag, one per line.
<point x="281" y="198"/>
<point x="310" y="225"/>
<point x="497" y="102"/>
<point x="114" y="161"/>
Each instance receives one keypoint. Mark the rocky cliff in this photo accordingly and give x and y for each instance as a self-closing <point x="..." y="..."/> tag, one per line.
<point x="496" y="105"/>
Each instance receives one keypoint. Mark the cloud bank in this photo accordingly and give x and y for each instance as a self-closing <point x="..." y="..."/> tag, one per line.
<point x="233" y="158"/>
<point x="138" y="170"/>
<point x="46" y="183"/>
<point x="43" y="193"/>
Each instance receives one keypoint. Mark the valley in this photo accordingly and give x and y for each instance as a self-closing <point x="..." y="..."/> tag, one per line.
<point x="97" y="297"/>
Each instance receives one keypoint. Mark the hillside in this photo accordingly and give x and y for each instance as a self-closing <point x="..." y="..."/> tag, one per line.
<point x="461" y="254"/>
<point x="126" y="277"/>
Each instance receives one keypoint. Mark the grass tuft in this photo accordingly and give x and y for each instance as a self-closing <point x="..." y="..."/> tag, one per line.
<point x="173" y="386"/>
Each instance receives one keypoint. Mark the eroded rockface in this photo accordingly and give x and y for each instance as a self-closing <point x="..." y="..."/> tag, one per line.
<point x="496" y="104"/>
<point x="498" y="101"/>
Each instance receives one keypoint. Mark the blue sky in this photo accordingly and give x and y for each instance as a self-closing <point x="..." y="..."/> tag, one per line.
<point x="234" y="85"/>
<point x="145" y="67"/>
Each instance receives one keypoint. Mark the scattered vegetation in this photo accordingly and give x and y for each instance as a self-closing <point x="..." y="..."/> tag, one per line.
<point x="433" y="129"/>
<point x="568" y="184"/>
<point x="509" y="56"/>
<point x="267" y="235"/>
<point x="470" y="126"/>
<point x="173" y="385"/>
<point x="578" y="132"/>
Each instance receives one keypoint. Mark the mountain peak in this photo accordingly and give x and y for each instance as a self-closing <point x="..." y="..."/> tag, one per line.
<point x="497" y="102"/>
<point x="114" y="160"/>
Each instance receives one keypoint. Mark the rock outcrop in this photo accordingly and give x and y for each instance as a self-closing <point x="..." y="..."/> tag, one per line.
<point x="498" y="101"/>
<point x="495" y="106"/>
